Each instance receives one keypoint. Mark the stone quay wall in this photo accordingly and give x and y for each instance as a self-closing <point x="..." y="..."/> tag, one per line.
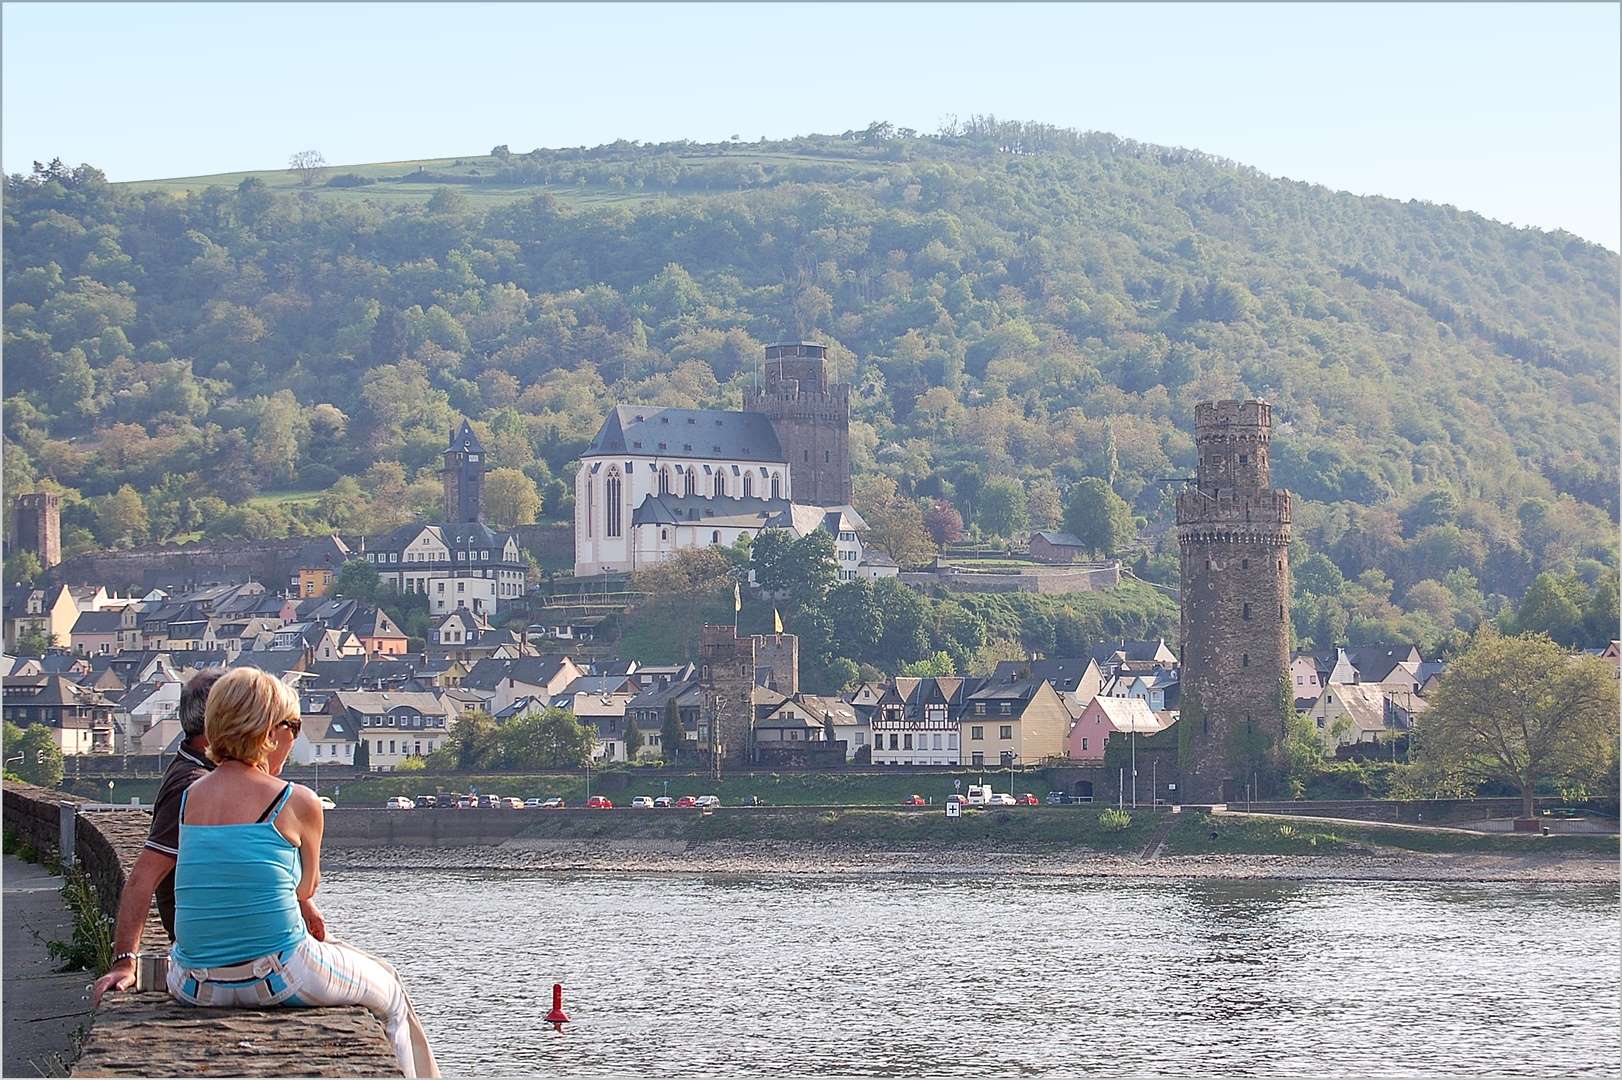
<point x="146" y="1033"/>
<point x="1415" y="811"/>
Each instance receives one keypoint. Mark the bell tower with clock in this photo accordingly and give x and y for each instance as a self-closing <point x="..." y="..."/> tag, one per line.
<point x="464" y="476"/>
<point x="1233" y="528"/>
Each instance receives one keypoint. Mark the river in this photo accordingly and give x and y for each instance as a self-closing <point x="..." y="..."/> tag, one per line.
<point x="686" y="975"/>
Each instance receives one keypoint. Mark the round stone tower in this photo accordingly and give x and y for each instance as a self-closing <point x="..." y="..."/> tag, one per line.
<point x="1234" y="531"/>
<point x="812" y="420"/>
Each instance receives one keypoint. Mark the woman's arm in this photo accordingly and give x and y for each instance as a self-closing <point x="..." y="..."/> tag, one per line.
<point x="311" y="823"/>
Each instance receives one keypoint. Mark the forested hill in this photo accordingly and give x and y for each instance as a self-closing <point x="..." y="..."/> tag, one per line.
<point x="274" y="352"/>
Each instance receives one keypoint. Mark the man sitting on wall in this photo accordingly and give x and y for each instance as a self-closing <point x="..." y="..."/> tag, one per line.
<point x="154" y="869"/>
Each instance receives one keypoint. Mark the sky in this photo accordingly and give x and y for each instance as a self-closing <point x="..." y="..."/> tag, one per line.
<point x="1509" y="110"/>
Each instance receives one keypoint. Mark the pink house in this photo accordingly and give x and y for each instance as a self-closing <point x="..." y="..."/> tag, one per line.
<point x="1106" y="716"/>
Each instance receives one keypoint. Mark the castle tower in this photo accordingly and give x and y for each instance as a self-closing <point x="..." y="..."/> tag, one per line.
<point x="1234" y="531"/>
<point x="812" y="420"/>
<point x="727" y="674"/>
<point x="464" y="476"/>
<point x="39" y="526"/>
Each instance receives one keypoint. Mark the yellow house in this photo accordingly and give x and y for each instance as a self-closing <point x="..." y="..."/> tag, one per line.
<point x="1010" y="723"/>
<point x="317" y="566"/>
<point x="1350" y="713"/>
<point x="52" y="612"/>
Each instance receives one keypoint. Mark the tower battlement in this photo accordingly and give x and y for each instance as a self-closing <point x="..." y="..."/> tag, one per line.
<point x="811" y="418"/>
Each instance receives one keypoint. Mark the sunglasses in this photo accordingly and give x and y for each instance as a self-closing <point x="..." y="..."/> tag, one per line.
<point x="293" y="724"/>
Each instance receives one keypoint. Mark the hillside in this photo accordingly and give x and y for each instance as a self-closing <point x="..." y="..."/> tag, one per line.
<point x="1018" y="306"/>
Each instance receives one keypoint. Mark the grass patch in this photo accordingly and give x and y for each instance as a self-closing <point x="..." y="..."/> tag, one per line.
<point x="284" y="498"/>
<point x="1238" y="834"/>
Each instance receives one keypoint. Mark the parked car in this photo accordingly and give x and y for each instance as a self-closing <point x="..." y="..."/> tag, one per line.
<point x="326" y="803"/>
<point x="513" y="803"/>
<point x="707" y="800"/>
<point x="1028" y="799"/>
<point x="467" y="802"/>
<point x="1057" y="798"/>
<point x="1000" y="798"/>
<point x="554" y="803"/>
<point x="490" y="802"/>
<point x="751" y="800"/>
<point x="449" y="802"/>
<point x="642" y="802"/>
<point x="533" y="804"/>
<point x="664" y="802"/>
<point x="686" y="801"/>
<point x="980" y="795"/>
<point x="957" y="800"/>
<point x="426" y="802"/>
<point x="600" y="802"/>
<point x="399" y="802"/>
<point x="913" y="800"/>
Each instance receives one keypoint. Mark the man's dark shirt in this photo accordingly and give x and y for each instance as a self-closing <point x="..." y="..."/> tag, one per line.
<point x="189" y="764"/>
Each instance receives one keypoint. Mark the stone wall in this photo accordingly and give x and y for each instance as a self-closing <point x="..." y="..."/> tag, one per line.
<point x="179" y="565"/>
<point x="145" y="1033"/>
<point x="1076" y="578"/>
<point x="1415" y="811"/>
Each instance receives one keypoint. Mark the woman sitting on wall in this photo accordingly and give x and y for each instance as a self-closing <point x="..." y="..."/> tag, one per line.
<point x="247" y="931"/>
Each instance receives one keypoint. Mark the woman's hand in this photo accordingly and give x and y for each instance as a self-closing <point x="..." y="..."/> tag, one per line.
<point x="313" y="921"/>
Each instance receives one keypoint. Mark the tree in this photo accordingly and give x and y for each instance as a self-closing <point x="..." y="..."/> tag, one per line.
<point x="475" y="742"/>
<point x="357" y="580"/>
<point x="1098" y="517"/>
<point x="122" y="516"/>
<point x="34" y="641"/>
<point x="672" y="740"/>
<point x="363" y="756"/>
<point x="633" y="739"/>
<point x="510" y="498"/>
<point x="1521" y="710"/>
<point x="895" y="524"/>
<point x="42" y="758"/>
<point x="1002" y="507"/>
<point x="412" y="763"/>
<point x="943" y="523"/>
<point x="1043" y="505"/>
<point x="1553" y="605"/>
<point x="551" y="739"/>
<point x="308" y="165"/>
<point x="21" y="568"/>
<point x="856" y="620"/>
<point x="939" y="665"/>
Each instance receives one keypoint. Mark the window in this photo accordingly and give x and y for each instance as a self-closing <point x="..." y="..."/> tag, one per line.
<point x="1244" y="459"/>
<point x="611" y="502"/>
<point x="748" y="485"/>
<point x="906" y="742"/>
<point x="977" y="759"/>
<point x="935" y="742"/>
<point x="391" y="747"/>
<point x="1084" y="742"/>
<point x="777" y="486"/>
<point x="416" y="748"/>
<point x="1006" y="731"/>
<point x="895" y="741"/>
<point x="977" y="733"/>
<point x="1244" y="564"/>
<point x="979" y="708"/>
<point x="1245" y="613"/>
<point x="720" y="485"/>
<point x="689" y="484"/>
<point x="1007" y="758"/>
<point x="1007" y="708"/>
<point x="1244" y="659"/>
<point x="951" y="740"/>
<point x="827" y="456"/>
<point x="715" y="536"/>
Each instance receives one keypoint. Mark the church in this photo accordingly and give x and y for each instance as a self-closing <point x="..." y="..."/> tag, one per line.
<point x="656" y="481"/>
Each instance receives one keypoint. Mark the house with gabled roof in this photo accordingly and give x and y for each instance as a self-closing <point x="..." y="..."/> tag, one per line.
<point x="1012" y="724"/>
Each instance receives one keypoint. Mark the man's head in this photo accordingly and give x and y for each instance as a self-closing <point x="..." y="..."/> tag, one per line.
<point x="194" y="701"/>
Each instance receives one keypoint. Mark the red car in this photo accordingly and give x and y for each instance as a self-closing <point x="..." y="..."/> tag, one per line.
<point x="687" y="801"/>
<point x="1028" y="799"/>
<point x="600" y="802"/>
<point x="913" y="800"/>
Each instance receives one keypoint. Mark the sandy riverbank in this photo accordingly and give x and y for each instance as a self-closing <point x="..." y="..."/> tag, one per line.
<point x="810" y="860"/>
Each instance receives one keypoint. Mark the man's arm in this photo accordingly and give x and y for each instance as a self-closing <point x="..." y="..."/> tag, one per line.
<point x="134" y="905"/>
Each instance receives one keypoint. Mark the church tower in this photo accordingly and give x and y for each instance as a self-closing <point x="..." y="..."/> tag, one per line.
<point x="1234" y="531"/>
<point x="464" y="476"/>
<point x="812" y="420"/>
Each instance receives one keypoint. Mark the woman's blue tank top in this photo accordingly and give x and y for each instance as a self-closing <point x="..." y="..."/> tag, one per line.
<point x="235" y="891"/>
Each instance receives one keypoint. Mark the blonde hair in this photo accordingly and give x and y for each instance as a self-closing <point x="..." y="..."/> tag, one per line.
<point x="244" y="707"/>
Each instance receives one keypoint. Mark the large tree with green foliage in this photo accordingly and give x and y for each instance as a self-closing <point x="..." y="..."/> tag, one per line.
<point x="1098" y="517"/>
<point x="1521" y="710"/>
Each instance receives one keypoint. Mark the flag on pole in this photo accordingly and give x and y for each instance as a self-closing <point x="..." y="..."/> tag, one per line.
<point x="737" y="599"/>
<point x="777" y="621"/>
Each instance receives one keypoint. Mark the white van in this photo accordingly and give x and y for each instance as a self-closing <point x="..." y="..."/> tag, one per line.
<point x="980" y="795"/>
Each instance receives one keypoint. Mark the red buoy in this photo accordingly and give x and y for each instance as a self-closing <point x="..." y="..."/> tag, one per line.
<point x="557" y="1015"/>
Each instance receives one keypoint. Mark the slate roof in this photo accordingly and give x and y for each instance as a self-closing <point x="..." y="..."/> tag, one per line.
<point x="530" y="670"/>
<point x="1130" y="714"/>
<point x="98" y="623"/>
<point x="1065" y="673"/>
<point x="463" y="439"/>
<point x="1060" y="539"/>
<point x="382" y="702"/>
<point x="690" y="433"/>
<point x="326" y="552"/>
<point x="1375" y="662"/>
<point x="751" y="513"/>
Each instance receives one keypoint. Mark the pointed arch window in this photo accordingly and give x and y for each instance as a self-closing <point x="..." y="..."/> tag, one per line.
<point x="777" y="486"/>
<point x="720" y="485"/>
<point x="664" y="481"/>
<point x="611" y="502"/>
<point x="748" y="485"/>
<point x="689" y="484"/>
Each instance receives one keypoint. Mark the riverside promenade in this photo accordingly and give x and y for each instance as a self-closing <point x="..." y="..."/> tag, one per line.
<point x="144" y="1032"/>
<point x="44" y="1008"/>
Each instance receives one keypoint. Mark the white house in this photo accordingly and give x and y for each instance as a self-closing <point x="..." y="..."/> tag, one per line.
<point x="466" y="564"/>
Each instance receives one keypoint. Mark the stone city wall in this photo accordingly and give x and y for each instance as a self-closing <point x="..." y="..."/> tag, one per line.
<point x="144" y="1032"/>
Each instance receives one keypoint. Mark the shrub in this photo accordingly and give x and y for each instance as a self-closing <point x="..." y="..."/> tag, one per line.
<point x="1114" y="820"/>
<point x="343" y="180"/>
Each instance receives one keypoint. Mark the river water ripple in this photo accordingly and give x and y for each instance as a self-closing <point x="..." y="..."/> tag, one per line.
<point x="677" y="976"/>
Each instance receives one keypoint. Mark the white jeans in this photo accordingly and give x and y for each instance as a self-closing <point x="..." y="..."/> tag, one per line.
<point x="310" y="974"/>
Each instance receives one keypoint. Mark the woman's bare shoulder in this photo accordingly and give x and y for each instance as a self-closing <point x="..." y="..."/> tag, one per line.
<point x="304" y="802"/>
